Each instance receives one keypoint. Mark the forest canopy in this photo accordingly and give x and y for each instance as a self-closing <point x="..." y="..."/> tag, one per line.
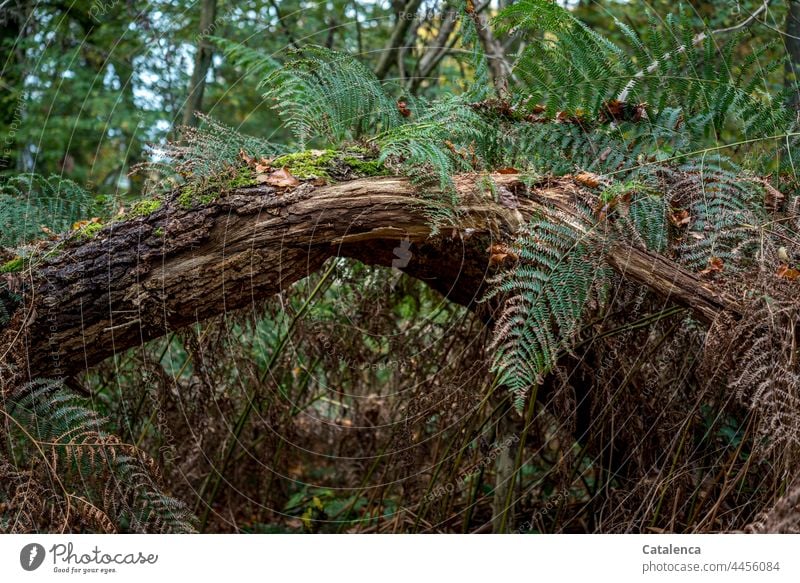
<point x="521" y="266"/>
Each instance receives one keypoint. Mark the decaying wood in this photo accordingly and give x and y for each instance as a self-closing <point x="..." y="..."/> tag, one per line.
<point x="143" y="277"/>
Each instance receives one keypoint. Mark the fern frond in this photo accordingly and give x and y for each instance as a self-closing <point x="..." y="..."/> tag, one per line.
<point x="30" y="201"/>
<point x="254" y="62"/>
<point x="324" y="95"/>
<point x="558" y="278"/>
<point x="574" y="68"/>
<point x="93" y="464"/>
<point x="203" y="154"/>
<point x="724" y="210"/>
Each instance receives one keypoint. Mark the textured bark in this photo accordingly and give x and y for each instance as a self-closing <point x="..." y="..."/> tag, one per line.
<point x="792" y="40"/>
<point x="202" y="62"/>
<point x="143" y="277"/>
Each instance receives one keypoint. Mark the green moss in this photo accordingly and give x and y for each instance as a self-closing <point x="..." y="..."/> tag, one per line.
<point x="186" y="196"/>
<point x="145" y="207"/>
<point x="241" y="178"/>
<point x="323" y="164"/>
<point x="364" y="167"/>
<point x="90" y="230"/>
<point x="12" y="266"/>
<point x="307" y="165"/>
<point x="214" y="187"/>
<point x="159" y="232"/>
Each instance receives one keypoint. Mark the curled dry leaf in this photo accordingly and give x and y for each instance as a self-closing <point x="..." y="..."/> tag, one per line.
<point x="260" y="166"/>
<point x="402" y="107"/>
<point x="680" y="218"/>
<point x="500" y="253"/>
<point x="246" y="158"/>
<point x="619" y="111"/>
<point x="786" y="272"/>
<point x="715" y="265"/>
<point x="281" y="178"/>
<point x="773" y="198"/>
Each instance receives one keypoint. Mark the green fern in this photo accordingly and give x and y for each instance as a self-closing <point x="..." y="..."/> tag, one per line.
<point x="725" y="210"/>
<point x="324" y="95"/>
<point x="205" y="157"/>
<point x="252" y="61"/>
<point x="575" y="68"/>
<point x="558" y="278"/>
<point x="639" y="214"/>
<point x="29" y="202"/>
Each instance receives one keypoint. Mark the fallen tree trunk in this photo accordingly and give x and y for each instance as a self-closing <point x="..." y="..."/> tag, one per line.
<point x="140" y="278"/>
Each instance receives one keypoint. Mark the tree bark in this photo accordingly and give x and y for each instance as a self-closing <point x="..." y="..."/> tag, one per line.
<point x="202" y="62"/>
<point x="405" y="18"/>
<point x="499" y="68"/>
<point x="792" y="40"/>
<point x="142" y="277"/>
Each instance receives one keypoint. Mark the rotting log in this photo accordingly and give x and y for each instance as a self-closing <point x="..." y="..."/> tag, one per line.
<point x="140" y="278"/>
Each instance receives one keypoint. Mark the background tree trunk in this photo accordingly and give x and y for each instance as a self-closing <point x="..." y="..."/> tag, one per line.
<point x="202" y="62"/>
<point x="792" y="40"/>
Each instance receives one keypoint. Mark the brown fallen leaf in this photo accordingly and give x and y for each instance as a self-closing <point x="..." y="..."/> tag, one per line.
<point x="263" y="165"/>
<point x="499" y="253"/>
<point x="497" y="259"/>
<point x="786" y="272"/>
<point x="618" y="111"/>
<point x="680" y="218"/>
<point x="715" y="265"/>
<point x="773" y="198"/>
<point x="281" y="178"/>
<point x="507" y="171"/>
<point x="577" y="117"/>
<point x="246" y="158"/>
<point x="402" y="107"/>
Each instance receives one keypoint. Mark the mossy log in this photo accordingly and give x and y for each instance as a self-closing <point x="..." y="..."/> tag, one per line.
<point x="143" y="277"/>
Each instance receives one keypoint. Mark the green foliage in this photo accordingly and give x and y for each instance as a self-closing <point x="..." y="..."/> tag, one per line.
<point x="638" y="212"/>
<point x="574" y="68"/>
<point x="12" y="266"/>
<point x="88" y="463"/>
<point x="30" y="201"/>
<point x="558" y="278"/>
<point x="331" y="99"/>
<point x="324" y="95"/>
<point x="691" y="96"/>
<point x="726" y="210"/>
<point x="208" y="159"/>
